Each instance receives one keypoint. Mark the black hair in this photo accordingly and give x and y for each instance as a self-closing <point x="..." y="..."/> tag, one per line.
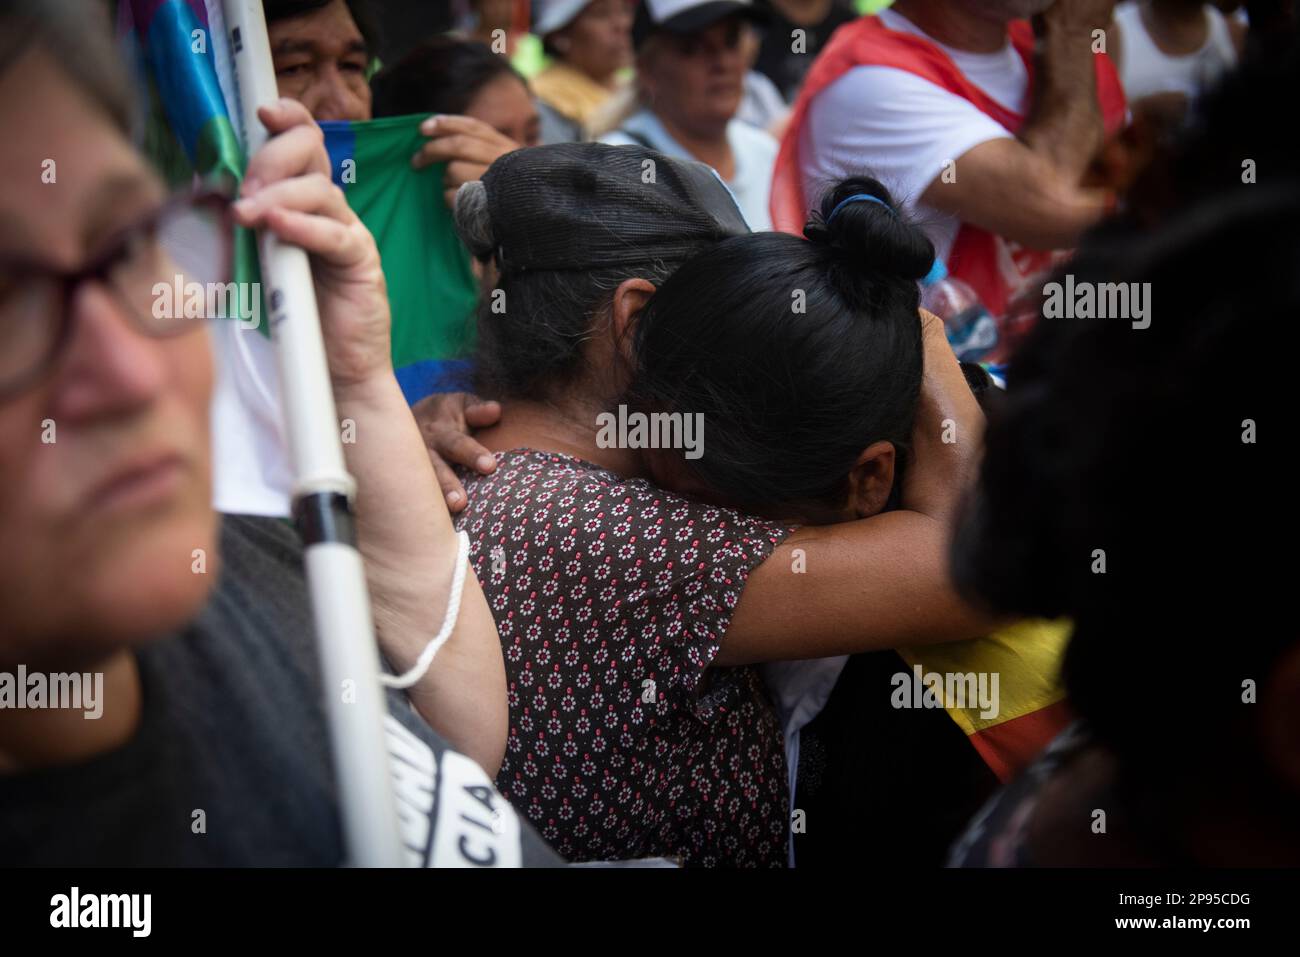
<point x="1135" y="447"/>
<point x="442" y="74"/>
<point x="538" y="351"/>
<point x="798" y="353"/>
<point x="562" y="226"/>
<point x="549" y="47"/>
<point x="362" y="16"/>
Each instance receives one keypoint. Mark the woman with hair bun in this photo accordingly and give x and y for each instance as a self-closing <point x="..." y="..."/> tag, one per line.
<point x="805" y="358"/>
<point x="631" y="616"/>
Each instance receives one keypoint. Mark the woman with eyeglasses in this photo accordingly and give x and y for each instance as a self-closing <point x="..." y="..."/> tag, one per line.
<point x="193" y="630"/>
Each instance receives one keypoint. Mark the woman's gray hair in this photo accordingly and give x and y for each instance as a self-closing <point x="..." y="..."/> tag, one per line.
<point x="79" y="38"/>
<point x="474" y="220"/>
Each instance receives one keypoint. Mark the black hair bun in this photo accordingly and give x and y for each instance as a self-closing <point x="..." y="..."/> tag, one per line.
<point x="872" y="235"/>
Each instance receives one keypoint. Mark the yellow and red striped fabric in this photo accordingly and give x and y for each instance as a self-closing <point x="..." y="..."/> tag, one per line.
<point x="1032" y="709"/>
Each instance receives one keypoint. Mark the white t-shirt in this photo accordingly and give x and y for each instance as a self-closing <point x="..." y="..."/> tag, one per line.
<point x="754" y="151"/>
<point x="901" y="129"/>
<point x="252" y="473"/>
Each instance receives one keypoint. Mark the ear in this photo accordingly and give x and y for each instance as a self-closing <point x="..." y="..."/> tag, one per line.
<point x="629" y="299"/>
<point x="871" y="479"/>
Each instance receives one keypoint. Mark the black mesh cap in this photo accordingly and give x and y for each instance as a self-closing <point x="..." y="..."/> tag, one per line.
<point x="588" y="205"/>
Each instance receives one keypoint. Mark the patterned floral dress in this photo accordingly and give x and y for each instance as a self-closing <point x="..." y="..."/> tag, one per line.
<point x="611" y="597"/>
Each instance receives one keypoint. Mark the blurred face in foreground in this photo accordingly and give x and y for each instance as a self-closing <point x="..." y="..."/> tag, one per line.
<point x="104" y="464"/>
<point x="320" y="61"/>
<point x="695" y="81"/>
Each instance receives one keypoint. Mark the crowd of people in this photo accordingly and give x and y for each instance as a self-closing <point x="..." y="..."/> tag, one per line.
<point x="767" y="230"/>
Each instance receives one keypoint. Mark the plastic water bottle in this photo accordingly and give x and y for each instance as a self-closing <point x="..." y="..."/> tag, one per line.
<point x="972" y="330"/>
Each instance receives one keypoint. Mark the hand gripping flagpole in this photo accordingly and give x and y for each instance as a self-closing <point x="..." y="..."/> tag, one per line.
<point x="322" y="494"/>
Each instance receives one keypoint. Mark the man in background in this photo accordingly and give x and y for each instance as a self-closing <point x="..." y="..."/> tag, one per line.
<point x="980" y="123"/>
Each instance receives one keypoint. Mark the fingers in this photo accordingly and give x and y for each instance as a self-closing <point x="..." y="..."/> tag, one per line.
<point x="311" y="212"/>
<point x="283" y="114"/>
<point x="440" y="410"/>
<point x="313" y="193"/>
<point x="463" y="148"/>
<point x="461" y="449"/>
<point x="426" y="155"/>
<point x="457" y="175"/>
<point x="321" y="236"/>
<point x="460" y="138"/>
<point x="451" y="123"/>
<point x="426" y="407"/>
<point x="459" y="172"/>
<point x="479" y="414"/>
<point x="296" y="149"/>
<point x="452" y="490"/>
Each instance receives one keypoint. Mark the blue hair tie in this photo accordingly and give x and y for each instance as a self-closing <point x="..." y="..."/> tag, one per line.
<point x="938" y="272"/>
<point x="858" y="198"/>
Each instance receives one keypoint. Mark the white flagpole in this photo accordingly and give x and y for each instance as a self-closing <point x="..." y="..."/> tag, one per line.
<point x="322" y="495"/>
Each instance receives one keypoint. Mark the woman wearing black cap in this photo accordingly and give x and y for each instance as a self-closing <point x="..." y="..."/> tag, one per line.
<point x="630" y="615"/>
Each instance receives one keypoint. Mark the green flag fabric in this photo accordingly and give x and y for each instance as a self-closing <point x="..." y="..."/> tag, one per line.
<point x="430" y="282"/>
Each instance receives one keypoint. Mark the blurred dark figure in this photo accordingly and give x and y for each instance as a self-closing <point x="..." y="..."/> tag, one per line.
<point x="795" y="32"/>
<point x="403" y="25"/>
<point x="1142" y="444"/>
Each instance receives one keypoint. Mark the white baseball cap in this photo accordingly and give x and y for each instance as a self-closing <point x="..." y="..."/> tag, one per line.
<point x="552" y="15"/>
<point x="688" y="16"/>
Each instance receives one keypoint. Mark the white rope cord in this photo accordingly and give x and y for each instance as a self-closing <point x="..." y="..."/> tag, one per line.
<point x="448" y="623"/>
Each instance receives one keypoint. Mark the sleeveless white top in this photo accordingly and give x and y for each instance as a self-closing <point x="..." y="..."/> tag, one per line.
<point x="1144" y="69"/>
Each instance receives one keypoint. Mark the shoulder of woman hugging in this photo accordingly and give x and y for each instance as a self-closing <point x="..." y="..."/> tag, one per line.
<point x="542" y="506"/>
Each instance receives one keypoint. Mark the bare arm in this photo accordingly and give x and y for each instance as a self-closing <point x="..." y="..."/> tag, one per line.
<point x="880" y="582"/>
<point x="410" y="549"/>
<point x="1028" y="188"/>
<point x="403" y="529"/>
<point x="877" y="583"/>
